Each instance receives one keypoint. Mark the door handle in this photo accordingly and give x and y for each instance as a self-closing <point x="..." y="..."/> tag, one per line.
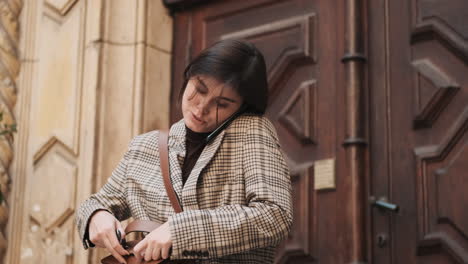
<point x="383" y="204"/>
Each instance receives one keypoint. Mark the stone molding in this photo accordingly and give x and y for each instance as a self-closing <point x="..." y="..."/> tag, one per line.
<point x="9" y="70"/>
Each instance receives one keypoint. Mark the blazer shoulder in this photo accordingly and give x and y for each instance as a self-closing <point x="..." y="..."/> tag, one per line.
<point x="144" y="141"/>
<point x="255" y="124"/>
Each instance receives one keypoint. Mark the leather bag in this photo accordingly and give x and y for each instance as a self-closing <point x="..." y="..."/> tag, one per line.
<point x="146" y="225"/>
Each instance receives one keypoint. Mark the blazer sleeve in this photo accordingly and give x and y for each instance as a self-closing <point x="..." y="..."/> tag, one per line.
<point x="111" y="197"/>
<point x="264" y="220"/>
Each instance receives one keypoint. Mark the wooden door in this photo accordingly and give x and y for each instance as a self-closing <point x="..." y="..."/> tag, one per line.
<point x="418" y="72"/>
<point x="301" y="42"/>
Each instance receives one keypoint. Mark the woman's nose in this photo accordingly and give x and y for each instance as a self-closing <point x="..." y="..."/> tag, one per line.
<point x="203" y="107"/>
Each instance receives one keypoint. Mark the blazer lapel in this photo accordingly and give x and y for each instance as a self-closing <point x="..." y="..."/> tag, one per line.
<point x="176" y="155"/>
<point x="189" y="191"/>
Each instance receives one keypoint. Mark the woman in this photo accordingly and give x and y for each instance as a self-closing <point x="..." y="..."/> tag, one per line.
<point x="235" y="190"/>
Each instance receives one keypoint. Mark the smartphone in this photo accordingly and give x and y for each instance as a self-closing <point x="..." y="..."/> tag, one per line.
<point x="225" y="123"/>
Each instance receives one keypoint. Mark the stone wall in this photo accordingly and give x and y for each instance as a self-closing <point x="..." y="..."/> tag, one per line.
<point x="94" y="73"/>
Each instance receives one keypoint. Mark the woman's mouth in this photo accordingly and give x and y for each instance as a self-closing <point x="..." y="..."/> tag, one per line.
<point x="197" y="119"/>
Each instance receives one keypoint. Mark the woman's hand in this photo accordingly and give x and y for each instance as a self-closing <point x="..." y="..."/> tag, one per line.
<point x="102" y="228"/>
<point x="155" y="245"/>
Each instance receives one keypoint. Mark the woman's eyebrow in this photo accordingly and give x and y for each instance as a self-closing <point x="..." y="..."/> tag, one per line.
<point x="202" y="82"/>
<point x="227" y="99"/>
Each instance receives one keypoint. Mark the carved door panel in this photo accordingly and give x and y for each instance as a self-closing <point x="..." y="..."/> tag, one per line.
<point x="301" y="51"/>
<point x="44" y="228"/>
<point x="419" y="128"/>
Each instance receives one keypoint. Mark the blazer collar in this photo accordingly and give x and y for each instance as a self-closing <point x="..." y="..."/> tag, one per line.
<point x="187" y="194"/>
<point x="176" y="146"/>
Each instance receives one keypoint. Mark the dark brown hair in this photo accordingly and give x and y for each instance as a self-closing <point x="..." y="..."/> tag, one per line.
<point x="238" y="64"/>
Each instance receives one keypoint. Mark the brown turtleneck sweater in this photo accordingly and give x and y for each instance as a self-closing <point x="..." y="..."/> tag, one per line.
<point x="194" y="145"/>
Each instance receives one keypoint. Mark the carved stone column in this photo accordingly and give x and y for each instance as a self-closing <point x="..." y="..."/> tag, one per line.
<point x="9" y="69"/>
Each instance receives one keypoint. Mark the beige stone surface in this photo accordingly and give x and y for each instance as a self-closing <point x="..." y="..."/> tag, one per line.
<point x="94" y="17"/>
<point x="56" y="173"/>
<point x="159" y="26"/>
<point x="56" y="99"/>
<point x="53" y="152"/>
<point x="121" y="20"/>
<point x="61" y="6"/>
<point x="87" y="145"/>
<point x="157" y="94"/>
<point x="116" y="106"/>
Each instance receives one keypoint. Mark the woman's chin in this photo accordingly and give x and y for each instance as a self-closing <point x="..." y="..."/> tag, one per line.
<point x="196" y="128"/>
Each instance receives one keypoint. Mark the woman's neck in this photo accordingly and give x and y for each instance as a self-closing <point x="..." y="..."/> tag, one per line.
<point x="193" y="136"/>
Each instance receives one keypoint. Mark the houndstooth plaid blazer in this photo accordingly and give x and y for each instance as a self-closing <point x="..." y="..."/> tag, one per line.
<point x="236" y="201"/>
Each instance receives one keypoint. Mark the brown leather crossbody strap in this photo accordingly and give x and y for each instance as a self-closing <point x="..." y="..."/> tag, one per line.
<point x="164" y="161"/>
<point x="141" y="226"/>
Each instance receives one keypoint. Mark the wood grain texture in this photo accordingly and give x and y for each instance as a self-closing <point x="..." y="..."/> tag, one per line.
<point x="418" y="108"/>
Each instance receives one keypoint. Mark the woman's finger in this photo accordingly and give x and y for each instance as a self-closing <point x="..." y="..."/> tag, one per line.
<point x="115" y="243"/>
<point x="119" y="227"/>
<point x="149" y="252"/>
<point x="156" y="253"/>
<point x="165" y="251"/>
<point x="102" y="226"/>
<point x="114" y="252"/>
<point x="139" y="250"/>
<point x="120" y="248"/>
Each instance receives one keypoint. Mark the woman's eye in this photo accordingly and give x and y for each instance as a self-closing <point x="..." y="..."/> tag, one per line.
<point x="222" y="105"/>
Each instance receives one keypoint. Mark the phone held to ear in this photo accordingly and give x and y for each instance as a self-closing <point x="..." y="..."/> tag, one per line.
<point x="226" y="123"/>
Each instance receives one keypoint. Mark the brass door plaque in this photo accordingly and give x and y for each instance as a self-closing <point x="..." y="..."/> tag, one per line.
<point x="324" y="174"/>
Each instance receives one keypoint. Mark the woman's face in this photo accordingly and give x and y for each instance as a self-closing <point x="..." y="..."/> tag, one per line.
<point x="206" y="103"/>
